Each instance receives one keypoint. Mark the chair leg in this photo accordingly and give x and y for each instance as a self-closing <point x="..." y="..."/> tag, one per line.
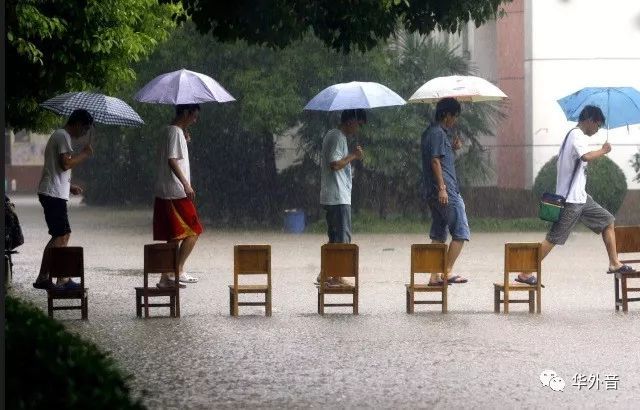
<point x="50" y="306"/>
<point x="320" y="303"/>
<point x="172" y="306"/>
<point x="355" y="302"/>
<point x="236" y="311"/>
<point x="408" y="304"/>
<point x="532" y="302"/>
<point x="616" y="290"/>
<point x="506" y="300"/>
<point x="177" y="303"/>
<point x="625" y="301"/>
<point x="268" y="303"/>
<point x="230" y="302"/>
<point x="496" y="299"/>
<point x="85" y="307"/>
<point x="445" y="297"/>
<point x="539" y="301"/>
<point x="138" y="304"/>
<point x="146" y="304"/>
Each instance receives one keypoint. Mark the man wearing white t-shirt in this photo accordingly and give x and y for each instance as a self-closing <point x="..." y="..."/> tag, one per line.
<point x="174" y="215"/>
<point x="55" y="186"/>
<point x="579" y="206"/>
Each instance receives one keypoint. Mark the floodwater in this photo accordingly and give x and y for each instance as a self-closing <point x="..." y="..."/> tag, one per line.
<point x="382" y="358"/>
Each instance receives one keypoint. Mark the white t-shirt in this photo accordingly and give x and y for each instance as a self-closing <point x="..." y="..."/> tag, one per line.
<point x="55" y="181"/>
<point x="576" y="146"/>
<point x="335" y="186"/>
<point x="168" y="186"/>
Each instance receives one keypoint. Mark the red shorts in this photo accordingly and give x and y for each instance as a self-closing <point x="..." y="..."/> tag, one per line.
<point x="175" y="219"/>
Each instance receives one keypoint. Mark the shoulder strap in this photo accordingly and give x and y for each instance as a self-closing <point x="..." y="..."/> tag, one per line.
<point x="575" y="168"/>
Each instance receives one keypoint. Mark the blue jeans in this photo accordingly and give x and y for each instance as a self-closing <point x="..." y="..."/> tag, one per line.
<point x="338" y="223"/>
<point x="451" y="217"/>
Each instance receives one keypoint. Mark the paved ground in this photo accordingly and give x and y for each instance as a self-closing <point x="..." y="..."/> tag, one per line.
<point x="382" y="358"/>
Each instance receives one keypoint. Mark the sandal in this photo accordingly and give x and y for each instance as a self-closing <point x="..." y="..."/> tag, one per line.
<point x="622" y="269"/>
<point x="186" y="278"/>
<point x="457" y="279"/>
<point x="531" y="280"/>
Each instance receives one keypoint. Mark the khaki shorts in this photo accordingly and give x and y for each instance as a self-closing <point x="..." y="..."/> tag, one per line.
<point x="591" y="214"/>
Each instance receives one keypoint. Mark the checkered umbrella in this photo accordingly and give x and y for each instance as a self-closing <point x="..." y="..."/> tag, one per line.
<point x="104" y="109"/>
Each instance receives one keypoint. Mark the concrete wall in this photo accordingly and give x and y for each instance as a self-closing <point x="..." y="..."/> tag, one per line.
<point x="574" y="44"/>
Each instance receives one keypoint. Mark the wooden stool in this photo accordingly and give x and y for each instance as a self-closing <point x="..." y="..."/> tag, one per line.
<point x="67" y="262"/>
<point x="627" y="241"/>
<point x="427" y="258"/>
<point x="520" y="257"/>
<point x="159" y="258"/>
<point x="338" y="260"/>
<point x="250" y="260"/>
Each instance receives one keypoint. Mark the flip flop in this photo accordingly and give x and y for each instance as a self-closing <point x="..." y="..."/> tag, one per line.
<point x="438" y="283"/>
<point x="623" y="269"/>
<point x="531" y="280"/>
<point x="457" y="279"/>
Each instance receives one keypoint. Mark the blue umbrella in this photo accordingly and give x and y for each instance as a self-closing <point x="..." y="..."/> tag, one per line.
<point x="353" y="95"/>
<point x="621" y="105"/>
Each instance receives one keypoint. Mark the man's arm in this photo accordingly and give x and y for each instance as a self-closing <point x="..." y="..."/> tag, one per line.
<point x="436" y="167"/>
<point x="68" y="161"/>
<point x="341" y="163"/>
<point x="173" y="164"/>
<point x="591" y="155"/>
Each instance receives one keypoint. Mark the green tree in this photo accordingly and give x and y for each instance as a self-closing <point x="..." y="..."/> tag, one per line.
<point x="55" y="46"/>
<point x="362" y="24"/>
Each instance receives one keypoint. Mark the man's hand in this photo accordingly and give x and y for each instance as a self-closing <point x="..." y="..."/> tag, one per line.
<point x="358" y="153"/>
<point x="76" y="190"/>
<point x="443" y="197"/>
<point x="88" y="150"/>
<point x="191" y="194"/>
<point x="606" y="148"/>
<point x="457" y="143"/>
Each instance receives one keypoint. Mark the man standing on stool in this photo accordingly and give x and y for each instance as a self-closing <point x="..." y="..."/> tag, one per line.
<point x="579" y="206"/>
<point x="336" y="177"/>
<point x="55" y="186"/>
<point x="174" y="214"/>
<point x="441" y="185"/>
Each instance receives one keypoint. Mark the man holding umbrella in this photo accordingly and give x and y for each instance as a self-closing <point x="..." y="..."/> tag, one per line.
<point x="55" y="186"/>
<point x="174" y="214"/>
<point x="571" y="181"/>
<point x="335" y="176"/>
<point x="441" y="185"/>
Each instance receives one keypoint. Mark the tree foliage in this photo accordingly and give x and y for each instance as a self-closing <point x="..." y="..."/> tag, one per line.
<point x="56" y="46"/>
<point x="233" y="152"/>
<point x="343" y="25"/>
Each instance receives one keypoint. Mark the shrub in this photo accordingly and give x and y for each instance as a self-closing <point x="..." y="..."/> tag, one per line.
<point x="606" y="182"/>
<point x="48" y="367"/>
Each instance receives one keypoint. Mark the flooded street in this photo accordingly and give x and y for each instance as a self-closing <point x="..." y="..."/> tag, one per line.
<point x="382" y="358"/>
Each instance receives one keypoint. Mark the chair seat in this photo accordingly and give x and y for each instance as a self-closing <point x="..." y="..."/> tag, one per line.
<point x="67" y="294"/>
<point x="423" y="287"/>
<point x="338" y="289"/>
<point x="517" y="286"/>
<point x="250" y="288"/>
<point x="155" y="291"/>
<point x="627" y="275"/>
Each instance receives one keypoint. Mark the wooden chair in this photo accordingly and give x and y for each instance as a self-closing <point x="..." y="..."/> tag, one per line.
<point x="627" y="241"/>
<point x="520" y="257"/>
<point x="67" y="262"/>
<point x="338" y="260"/>
<point x="427" y="258"/>
<point x="250" y="260"/>
<point x="159" y="258"/>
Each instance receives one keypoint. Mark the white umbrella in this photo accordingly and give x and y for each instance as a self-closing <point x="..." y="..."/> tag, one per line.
<point x="353" y="95"/>
<point x="460" y="87"/>
<point x="183" y="87"/>
<point x="103" y="109"/>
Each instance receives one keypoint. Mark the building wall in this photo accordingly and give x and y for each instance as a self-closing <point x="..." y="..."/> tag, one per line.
<point x="574" y="44"/>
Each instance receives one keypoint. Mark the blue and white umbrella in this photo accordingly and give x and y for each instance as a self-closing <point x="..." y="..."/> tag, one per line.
<point x="104" y="109"/>
<point x="354" y="95"/>
<point x="620" y="105"/>
<point x="183" y="87"/>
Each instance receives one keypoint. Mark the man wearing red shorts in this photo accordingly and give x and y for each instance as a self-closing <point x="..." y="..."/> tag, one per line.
<point x="174" y="215"/>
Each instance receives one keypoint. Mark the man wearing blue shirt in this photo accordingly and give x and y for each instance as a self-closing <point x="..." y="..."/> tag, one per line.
<point x="441" y="187"/>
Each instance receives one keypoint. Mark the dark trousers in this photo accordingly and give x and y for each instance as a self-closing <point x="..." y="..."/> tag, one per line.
<point x="338" y="223"/>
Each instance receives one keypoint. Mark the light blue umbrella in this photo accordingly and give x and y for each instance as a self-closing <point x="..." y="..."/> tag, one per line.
<point x="621" y="105"/>
<point x="353" y="95"/>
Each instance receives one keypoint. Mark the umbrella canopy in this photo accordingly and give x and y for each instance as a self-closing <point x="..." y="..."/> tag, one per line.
<point x="461" y="87"/>
<point x="621" y="105"/>
<point x="104" y="109"/>
<point x="183" y="87"/>
<point x="353" y="95"/>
